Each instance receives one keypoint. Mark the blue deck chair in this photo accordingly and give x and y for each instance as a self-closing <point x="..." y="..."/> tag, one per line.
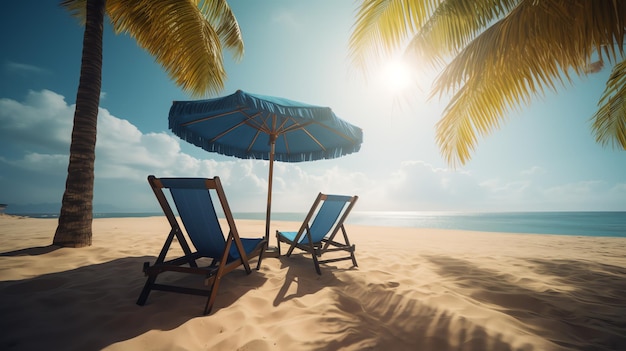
<point x="317" y="233"/>
<point x="192" y="198"/>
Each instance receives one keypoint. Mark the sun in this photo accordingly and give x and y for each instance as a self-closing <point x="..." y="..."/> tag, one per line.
<point x="396" y="75"/>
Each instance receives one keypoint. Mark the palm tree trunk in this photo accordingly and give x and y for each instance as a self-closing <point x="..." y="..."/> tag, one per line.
<point x="75" y="219"/>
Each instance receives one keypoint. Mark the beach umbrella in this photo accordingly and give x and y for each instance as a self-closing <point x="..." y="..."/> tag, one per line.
<point x="270" y="128"/>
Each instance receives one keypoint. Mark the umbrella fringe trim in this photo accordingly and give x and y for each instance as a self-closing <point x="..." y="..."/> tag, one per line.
<point x="260" y="155"/>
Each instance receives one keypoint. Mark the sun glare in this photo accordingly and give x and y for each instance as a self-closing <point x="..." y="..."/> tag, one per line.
<point x="396" y="75"/>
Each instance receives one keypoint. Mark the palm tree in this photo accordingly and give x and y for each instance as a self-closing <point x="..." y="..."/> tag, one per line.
<point x="498" y="54"/>
<point x="186" y="37"/>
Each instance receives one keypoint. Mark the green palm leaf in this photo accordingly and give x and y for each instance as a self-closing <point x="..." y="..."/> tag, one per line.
<point x="501" y="54"/>
<point x="609" y="123"/>
<point x="383" y="25"/>
<point x="185" y="37"/>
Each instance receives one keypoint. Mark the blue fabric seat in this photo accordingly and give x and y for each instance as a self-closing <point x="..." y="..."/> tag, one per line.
<point x="318" y="231"/>
<point x="194" y="201"/>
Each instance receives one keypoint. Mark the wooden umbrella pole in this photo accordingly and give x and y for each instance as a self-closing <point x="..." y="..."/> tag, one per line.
<point x="268" y="213"/>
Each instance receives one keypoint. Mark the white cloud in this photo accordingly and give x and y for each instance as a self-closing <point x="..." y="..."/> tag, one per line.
<point x="35" y="137"/>
<point x="17" y="67"/>
<point x="285" y="17"/>
<point x="619" y="188"/>
<point x="47" y="163"/>
<point x="420" y="186"/>
<point x="506" y="188"/>
<point x="588" y="195"/>
<point x="574" y="189"/>
<point x="42" y="123"/>
<point x="533" y="171"/>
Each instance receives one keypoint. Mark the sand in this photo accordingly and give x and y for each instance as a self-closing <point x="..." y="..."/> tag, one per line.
<point x="414" y="289"/>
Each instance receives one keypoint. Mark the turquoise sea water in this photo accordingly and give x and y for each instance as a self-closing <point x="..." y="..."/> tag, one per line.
<point x="562" y="223"/>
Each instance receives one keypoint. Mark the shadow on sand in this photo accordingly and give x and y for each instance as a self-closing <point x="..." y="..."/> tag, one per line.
<point x="583" y="309"/>
<point x="99" y="299"/>
<point x="301" y="278"/>
<point x="31" y="251"/>
<point x="374" y="317"/>
<point x="365" y="316"/>
<point x="358" y="314"/>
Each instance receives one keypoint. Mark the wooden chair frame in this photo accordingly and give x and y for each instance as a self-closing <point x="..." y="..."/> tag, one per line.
<point x="219" y="266"/>
<point x="319" y="243"/>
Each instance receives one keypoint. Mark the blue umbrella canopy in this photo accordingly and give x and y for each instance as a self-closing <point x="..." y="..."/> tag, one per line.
<point x="270" y="128"/>
<point x="244" y="125"/>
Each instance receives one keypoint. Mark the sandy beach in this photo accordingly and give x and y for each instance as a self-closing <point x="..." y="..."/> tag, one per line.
<point x="414" y="289"/>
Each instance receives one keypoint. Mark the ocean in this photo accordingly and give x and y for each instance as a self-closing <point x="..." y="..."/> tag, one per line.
<point x="612" y="224"/>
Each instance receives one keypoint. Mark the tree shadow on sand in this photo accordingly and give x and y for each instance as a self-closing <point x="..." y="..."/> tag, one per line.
<point x="375" y="317"/>
<point x="99" y="300"/>
<point x="301" y="278"/>
<point x="583" y="309"/>
<point x="31" y="251"/>
<point x="366" y="316"/>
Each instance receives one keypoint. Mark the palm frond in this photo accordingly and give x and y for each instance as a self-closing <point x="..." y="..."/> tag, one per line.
<point x="180" y="37"/>
<point x="77" y="8"/>
<point x="185" y="37"/>
<point x="490" y="76"/>
<point x="505" y="53"/>
<point x="453" y="25"/>
<point x="382" y="26"/>
<point x="609" y="122"/>
<point x="221" y="17"/>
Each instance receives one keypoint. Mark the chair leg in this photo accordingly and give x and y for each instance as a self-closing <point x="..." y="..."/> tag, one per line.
<point x="258" y="264"/>
<point x="209" y="303"/>
<point x="317" y="264"/>
<point x="213" y="294"/>
<point x="352" y="248"/>
<point x="278" y="243"/>
<point x="146" y="290"/>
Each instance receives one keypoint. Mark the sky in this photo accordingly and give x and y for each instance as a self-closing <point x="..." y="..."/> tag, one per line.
<point x="544" y="158"/>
